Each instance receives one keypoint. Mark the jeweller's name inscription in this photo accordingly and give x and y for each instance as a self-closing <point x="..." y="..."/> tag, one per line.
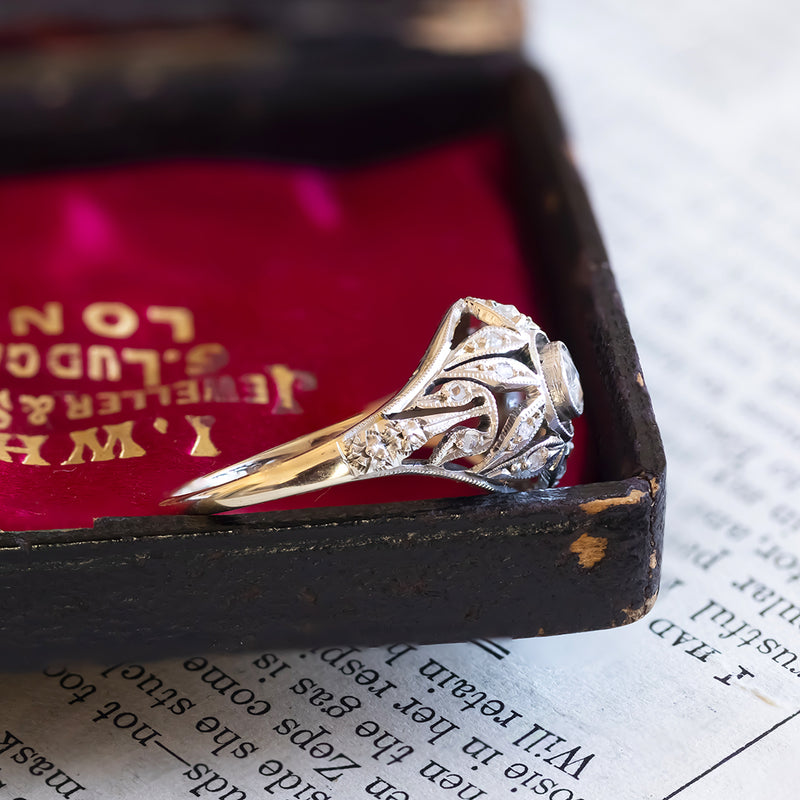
<point x="37" y="351"/>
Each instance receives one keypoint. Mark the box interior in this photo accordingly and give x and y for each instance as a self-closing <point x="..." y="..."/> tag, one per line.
<point x="316" y="228"/>
<point x="313" y="138"/>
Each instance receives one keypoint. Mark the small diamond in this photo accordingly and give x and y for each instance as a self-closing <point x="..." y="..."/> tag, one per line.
<point x="414" y="435"/>
<point x="505" y="370"/>
<point x="508" y="311"/>
<point x="525" y="431"/>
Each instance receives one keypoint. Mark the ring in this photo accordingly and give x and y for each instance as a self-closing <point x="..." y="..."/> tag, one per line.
<point x="491" y="404"/>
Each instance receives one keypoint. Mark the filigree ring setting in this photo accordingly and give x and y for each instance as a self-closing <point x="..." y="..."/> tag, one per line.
<point x="491" y="404"/>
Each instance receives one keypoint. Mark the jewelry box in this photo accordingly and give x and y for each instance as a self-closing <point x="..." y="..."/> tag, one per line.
<point x="224" y="230"/>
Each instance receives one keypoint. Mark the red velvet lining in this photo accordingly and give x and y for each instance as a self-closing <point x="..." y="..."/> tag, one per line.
<point x="340" y="276"/>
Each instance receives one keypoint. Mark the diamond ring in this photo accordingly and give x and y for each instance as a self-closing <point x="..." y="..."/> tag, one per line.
<point x="490" y="404"/>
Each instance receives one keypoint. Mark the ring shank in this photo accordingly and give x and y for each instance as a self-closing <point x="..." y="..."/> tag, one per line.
<point x="308" y="463"/>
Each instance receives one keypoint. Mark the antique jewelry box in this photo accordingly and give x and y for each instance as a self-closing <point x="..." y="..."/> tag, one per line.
<point x="219" y="232"/>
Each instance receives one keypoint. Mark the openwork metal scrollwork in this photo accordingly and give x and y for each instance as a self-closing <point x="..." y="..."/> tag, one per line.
<point x="491" y="404"/>
<point x="492" y="400"/>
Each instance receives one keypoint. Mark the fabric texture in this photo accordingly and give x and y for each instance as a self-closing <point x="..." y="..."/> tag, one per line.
<point x="168" y="319"/>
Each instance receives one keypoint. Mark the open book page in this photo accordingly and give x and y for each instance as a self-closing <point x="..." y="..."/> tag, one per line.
<point x="686" y="122"/>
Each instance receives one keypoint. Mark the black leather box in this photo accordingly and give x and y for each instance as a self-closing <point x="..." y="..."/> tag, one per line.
<point x="537" y="563"/>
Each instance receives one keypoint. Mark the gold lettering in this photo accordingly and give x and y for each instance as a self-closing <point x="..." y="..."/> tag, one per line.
<point x="285" y="381"/>
<point x="108" y="402"/>
<point x="180" y="320"/>
<point x="6" y="406"/>
<point x="102" y="363"/>
<point x="30" y="447"/>
<point x="22" y="360"/>
<point x="164" y="394"/>
<point x="203" y="446"/>
<point x="120" y="434"/>
<point x="256" y="384"/>
<point x="150" y="362"/>
<point x="186" y="392"/>
<point x="205" y="359"/>
<point x="37" y="408"/>
<point x="113" y="320"/>
<point x="50" y="320"/>
<point x="220" y="389"/>
<point x="78" y="407"/>
<point x="58" y="354"/>
<point x="139" y="397"/>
